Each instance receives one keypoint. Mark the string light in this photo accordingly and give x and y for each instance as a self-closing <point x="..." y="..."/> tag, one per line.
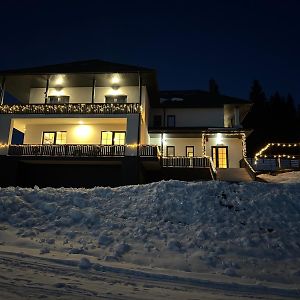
<point x="71" y="108"/>
<point x="260" y="153"/>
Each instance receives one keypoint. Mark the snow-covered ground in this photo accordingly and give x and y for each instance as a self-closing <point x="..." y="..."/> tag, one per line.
<point x="176" y="240"/>
<point x="288" y="177"/>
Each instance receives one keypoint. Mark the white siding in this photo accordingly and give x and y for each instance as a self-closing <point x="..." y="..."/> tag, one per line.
<point x="235" y="150"/>
<point x="193" y="117"/>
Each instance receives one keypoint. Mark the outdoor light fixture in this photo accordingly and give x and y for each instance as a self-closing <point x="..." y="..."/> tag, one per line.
<point x="219" y="139"/>
<point x="59" y="80"/>
<point x="83" y="131"/>
<point x="115" y="79"/>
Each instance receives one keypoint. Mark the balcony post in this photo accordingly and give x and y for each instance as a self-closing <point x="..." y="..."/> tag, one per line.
<point x="93" y="90"/>
<point x="140" y="119"/>
<point x="46" y="90"/>
<point x="2" y="90"/>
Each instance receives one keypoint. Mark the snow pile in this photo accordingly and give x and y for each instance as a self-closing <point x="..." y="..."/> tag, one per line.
<point x="187" y="224"/>
<point x="289" y="177"/>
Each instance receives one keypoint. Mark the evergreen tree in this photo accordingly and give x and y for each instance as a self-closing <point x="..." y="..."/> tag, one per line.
<point x="213" y="87"/>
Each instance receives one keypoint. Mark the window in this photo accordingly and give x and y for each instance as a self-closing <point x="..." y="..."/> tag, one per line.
<point x="106" y="138"/>
<point x="189" y="150"/>
<point x="116" y="99"/>
<point x="55" y="137"/>
<point x="157" y="121"/>
<point x="119" y="138"/>
<point x="170" y="151"/>
<point x="58" y="99"/>
<point x="170" y="121"/>
<point x="113" y="138"/>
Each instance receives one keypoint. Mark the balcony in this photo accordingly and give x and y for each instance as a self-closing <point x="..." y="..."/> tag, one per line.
<point x="67" y="150"/>
<point x="72" y="108"/>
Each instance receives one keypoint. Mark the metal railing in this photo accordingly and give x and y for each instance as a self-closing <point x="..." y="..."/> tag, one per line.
<point x="71" y="108"/>
<point x="67" y="150"/>
<point x="186" y="162"/>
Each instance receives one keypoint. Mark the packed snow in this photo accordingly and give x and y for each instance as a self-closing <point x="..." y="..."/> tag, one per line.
<point x="246" y="230"/>
<point x="287" y="177"/>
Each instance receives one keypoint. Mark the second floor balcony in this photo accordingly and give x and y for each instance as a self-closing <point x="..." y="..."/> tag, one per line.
<point x="72" y="108"/>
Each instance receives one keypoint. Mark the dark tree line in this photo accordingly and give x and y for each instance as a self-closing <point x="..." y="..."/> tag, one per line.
<point x="276" y="119"/>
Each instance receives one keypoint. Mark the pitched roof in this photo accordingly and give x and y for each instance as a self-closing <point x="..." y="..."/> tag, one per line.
<point x="87" y="66"/>
<point x="196" y="98"/>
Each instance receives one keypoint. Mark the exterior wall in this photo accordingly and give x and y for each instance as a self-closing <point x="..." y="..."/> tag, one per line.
<point x="84" y="94"/>
<point x="235" y="150"/>
<point x="192" y="117"/>
<point x="180" y="145"/>
<point x="144" y="135"/>
<point x="6" y="127"/>
<point x="76" y="134"/>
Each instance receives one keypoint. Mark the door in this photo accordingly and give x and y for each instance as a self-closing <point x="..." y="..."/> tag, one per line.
<point x="220" y="156"/>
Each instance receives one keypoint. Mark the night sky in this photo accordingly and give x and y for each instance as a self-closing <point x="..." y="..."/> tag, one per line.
<point x="187" y="42"/>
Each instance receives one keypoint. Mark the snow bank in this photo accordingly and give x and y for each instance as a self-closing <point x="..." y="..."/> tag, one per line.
<point x="207" y="222"/>
<point x="288" y="177"/>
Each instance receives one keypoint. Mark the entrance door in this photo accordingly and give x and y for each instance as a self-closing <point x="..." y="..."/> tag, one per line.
<point x="220" y="156"/>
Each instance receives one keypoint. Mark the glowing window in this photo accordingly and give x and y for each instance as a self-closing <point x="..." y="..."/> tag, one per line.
<point x="61" y="137"/>
<point x="119" y="138"/>
<point x="56" y="137"/>
<point x="49" y="138"/>
<point x="189" y="151"/>
<point x="106" y="138"/>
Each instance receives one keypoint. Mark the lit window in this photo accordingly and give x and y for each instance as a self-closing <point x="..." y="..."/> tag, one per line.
<point x="190" y="151"/>
<point x="49" y="138"/>
<point x="119" y="138"/>
<point x="61" y="137"/>
<point x="56" y="137"/>
<point x="106" y="138"/>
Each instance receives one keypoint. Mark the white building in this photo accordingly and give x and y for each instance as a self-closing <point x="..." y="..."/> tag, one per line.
<point x="100" y="123"/>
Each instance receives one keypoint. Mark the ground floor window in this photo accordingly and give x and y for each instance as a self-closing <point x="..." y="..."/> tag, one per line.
<point x="189" y="151"/>
<point x="54" y="137"/>
<point x="171" y="151"/>
<point x="113" y="138"/>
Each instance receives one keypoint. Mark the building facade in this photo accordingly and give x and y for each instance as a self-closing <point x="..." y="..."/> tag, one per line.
<point x="100" y="123"/>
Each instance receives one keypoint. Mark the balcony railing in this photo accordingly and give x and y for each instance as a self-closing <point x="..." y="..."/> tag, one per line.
<point x="149" y="150"/>
<point x="187" y="162"/>
<point x="67" y="150"/>
<point x="71" y="108"/>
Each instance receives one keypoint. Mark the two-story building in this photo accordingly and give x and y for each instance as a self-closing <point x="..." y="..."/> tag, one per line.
<point x="100" y="123"/>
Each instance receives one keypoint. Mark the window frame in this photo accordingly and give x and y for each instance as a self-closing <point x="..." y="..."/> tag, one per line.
<point x="168" y="154"/>
<point x="123" y="98"/>
<point x="113" y="138"/>
<point x="55" y="137"/>
<point x="186" y="151"/>
<point x="171" y="117"/>
<point x="217" y="155"/>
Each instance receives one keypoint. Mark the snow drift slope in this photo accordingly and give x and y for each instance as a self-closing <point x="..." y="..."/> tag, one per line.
<point x="231" y="228"/>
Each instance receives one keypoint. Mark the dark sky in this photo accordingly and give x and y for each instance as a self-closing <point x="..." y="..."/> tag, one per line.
<point x="187" y="42"/>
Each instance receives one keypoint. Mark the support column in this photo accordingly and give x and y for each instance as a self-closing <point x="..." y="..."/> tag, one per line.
<point x="132" y="134"/>
<point x="2" y="91"/>
<point x="93" y="90"/>
<point x="140" y="119"/>
<point x="47" y="88"/>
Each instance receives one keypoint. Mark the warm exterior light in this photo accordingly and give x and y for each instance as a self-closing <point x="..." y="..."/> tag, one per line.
<point x="115" y="79"/>
<point x="59" y="80"/>
<point x="115" y="92"/>
<point x="80" y="122"/>
<point x="219" y="139"/>
<point x="83" y="131"/>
